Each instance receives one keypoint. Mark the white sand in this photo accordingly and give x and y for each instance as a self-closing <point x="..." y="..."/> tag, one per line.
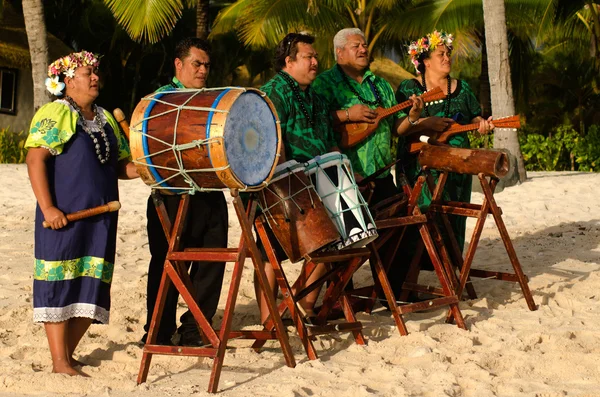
<point x="553" y="218"/>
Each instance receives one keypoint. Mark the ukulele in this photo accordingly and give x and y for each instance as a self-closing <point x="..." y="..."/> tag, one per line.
<point x="354" y="133"/>
<point x="414" y="145"/>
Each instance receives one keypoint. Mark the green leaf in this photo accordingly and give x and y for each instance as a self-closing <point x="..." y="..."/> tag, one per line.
<point x="146" y="20"/>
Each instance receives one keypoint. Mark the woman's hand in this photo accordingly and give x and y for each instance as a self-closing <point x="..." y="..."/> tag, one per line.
<point x="417" y="107"/>
<point x="362" y="113"/>
<point x="127" y="170"/>
<point x="485" y="126"/>
<point x="55" y="218"/>
<point x="437" y="124"/>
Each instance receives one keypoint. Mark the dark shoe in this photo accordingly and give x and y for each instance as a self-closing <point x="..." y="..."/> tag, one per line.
<point x="192" y="339"/>
<point x="160" y="341"/>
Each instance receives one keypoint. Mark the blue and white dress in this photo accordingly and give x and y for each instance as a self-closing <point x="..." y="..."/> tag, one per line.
<point x="74" y="265"/>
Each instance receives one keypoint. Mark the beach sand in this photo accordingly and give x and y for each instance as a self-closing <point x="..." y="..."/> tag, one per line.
<point x="552" y="218"/>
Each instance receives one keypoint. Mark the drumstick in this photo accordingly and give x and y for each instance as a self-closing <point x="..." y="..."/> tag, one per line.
<point x="101" y="209"/>
<point x="431" y="141"/>
<point x="120" y="117"/>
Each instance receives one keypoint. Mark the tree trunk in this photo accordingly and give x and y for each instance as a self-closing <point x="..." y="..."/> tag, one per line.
<point x="484" y="83"/>
<point x="595" y="47"/>
<point x="496" y="40"/>
<point x="35" y="25"/>
<point x="202" y="19"/>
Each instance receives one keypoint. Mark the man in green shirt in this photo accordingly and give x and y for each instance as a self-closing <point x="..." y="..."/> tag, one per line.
<point x="306" y="129"/>
<point x="352" y="92"/>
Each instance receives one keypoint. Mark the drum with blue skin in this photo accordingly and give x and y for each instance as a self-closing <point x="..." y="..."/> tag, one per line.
<point x="189" y="140"/>
<point x="333" y="178"/>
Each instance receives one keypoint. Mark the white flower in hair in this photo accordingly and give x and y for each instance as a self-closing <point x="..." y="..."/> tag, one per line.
<point x="70" y="72"/>
<point x="54" y="86"/>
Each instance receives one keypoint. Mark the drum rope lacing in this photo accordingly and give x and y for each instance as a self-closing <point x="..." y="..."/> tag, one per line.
<point x="336" y="217"/>
<point x="179" y="148"/>
<point x="289" y="197"/>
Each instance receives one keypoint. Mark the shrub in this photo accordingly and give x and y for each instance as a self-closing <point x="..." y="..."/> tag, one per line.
<point x="12" y="146"/>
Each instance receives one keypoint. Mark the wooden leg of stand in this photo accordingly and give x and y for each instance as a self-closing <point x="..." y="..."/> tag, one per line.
<point x="259" y="268"/>
<point x="507" y="243"/>
<point x="336" y="287"/>
<point x="412" y="276"/>
<point x="154" y="325"/>
<point x="438" y="191"/>
<point x="234" y="287"/>
<point x="288" y="298"/>
<point x="350" y="317"/>
<point x="441" y="274"/>
<point x="387" y="290"/>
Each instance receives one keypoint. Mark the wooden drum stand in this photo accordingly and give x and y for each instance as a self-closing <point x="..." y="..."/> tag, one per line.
<point x="485" y="164"/>
<point x="175" y="271"/>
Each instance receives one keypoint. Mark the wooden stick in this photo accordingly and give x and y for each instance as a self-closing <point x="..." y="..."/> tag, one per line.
<point x="101" y="209"/>
<point x="120" y="117"/>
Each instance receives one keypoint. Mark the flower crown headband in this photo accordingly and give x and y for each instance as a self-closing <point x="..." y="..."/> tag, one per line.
<point x="428" y="43"/>
<point x="67" y="65"/>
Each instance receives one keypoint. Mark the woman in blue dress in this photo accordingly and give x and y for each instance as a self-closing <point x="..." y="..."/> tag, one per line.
<point x="76" y="153"/>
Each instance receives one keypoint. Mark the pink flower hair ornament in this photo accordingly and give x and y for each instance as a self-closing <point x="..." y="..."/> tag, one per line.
<point x="67" y="65"/>
<point x="428" y="43"/>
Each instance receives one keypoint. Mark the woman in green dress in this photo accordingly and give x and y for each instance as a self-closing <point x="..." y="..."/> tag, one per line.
<point x="431" y="56"/>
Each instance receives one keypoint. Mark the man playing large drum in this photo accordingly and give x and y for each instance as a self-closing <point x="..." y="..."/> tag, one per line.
<point x="306" y="128"/>
<point x="206" y="225"/>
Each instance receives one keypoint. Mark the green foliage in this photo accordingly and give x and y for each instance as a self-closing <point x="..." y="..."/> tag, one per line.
<point x="587" y="150"/>
<point x="564" y="149"/>
<point x="481" y="141"/>
<point x="12" y="146"/>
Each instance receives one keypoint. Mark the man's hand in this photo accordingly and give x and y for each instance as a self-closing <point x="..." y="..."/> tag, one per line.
<point x="434" y="123"/>
<point x="55" y="218"/>
<point x="362" y="113"/>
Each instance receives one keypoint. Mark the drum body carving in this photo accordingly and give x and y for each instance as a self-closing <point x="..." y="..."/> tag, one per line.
<point x="334" y="180"/>
<point x="208" y="139"/>
<point x="295" y="212"/>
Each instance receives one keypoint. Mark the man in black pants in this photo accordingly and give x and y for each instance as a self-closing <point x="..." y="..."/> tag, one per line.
<point x="205" y="227"/>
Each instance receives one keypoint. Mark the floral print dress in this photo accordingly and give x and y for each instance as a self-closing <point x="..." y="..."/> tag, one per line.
<point x="74" y="265"/>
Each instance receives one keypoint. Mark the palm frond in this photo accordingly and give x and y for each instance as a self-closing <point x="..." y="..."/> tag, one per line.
<point x="227" y="18"/>
<point x="146" y="20"/>
<point x="266" y="22"/>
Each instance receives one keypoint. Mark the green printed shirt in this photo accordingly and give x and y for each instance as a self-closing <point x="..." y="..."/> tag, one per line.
<point x="55" y="123"/>
<point x="173" y="85"/>
<point x="302" y="141"/>
<point x="374" y="152"/>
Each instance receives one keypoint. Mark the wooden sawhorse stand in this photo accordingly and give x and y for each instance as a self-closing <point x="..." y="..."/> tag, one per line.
<point x="395" y="227"/>
<point x="338" y="275"/>
<point x="492" y="165"/>
<point x="175" y="272"/>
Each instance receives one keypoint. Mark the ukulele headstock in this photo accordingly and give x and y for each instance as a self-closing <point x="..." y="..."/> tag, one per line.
<point x="432" y="96"/>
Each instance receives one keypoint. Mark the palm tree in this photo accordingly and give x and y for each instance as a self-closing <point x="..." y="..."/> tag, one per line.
<point x="35" y="25"/>
<point x="500" y="79"/>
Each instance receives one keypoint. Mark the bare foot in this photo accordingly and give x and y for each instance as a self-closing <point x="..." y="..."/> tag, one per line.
<point x="65" y="369"/>
<point x="76" y="363"/>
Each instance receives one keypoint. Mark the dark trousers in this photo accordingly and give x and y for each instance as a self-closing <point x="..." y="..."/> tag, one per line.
<point x="205" y="227"/>
<point x="384" y="188"/>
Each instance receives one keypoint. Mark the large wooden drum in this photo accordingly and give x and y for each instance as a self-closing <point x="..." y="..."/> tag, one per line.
<point x="190" y="140"/>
